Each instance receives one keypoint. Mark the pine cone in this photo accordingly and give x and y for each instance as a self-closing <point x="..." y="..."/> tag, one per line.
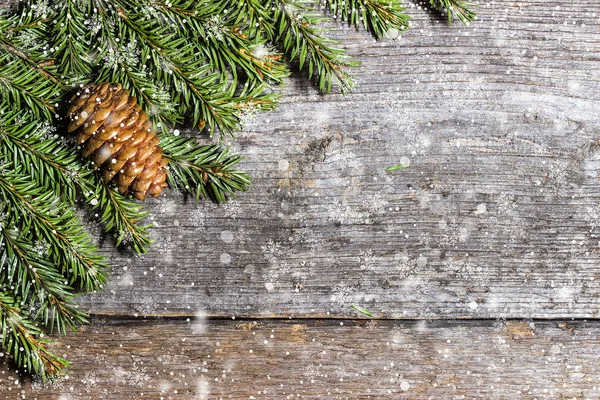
<point x="115" y="133"/>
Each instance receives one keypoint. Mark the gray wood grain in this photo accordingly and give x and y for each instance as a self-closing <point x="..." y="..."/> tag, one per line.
<point x="206" y="359"/>
<point x="498" y="214"/>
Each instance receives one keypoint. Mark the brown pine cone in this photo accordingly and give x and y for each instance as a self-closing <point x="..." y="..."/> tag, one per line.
<point x="115" y="133"/>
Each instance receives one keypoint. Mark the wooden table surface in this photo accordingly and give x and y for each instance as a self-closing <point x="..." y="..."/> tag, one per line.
<point x="479" y="261"/>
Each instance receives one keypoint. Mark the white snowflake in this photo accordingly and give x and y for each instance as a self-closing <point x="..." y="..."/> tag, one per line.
<point x="146" y="306"/>
<point x="451" y="235"/>
<point x="505" y="204"/>
<point x="197" y="217"/>
<point x="592" y="216"/>
<point x="342" y="293"/>
<point x="367" y="260"/>
<point x="340" y="211"/>
<point x="375" y="204"/>
<point x="559" y="171"/>
<point x="406" y="265"/>
<point x="272" y="250"/>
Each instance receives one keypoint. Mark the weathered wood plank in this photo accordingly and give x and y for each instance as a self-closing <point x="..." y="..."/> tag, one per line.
<point x="309" y="359"/>
<point x="497" y="215"/>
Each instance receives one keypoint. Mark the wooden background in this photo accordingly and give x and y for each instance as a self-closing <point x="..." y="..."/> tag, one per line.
<point x="479" y="260"/>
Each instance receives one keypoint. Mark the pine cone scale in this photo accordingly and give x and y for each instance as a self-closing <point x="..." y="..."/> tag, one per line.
<point x="115" y="133"/>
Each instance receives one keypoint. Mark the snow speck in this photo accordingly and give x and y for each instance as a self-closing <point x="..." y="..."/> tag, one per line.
<point x="421" y="261"/>
<point x="473" y="305"/>
<point x="176" y="132"/>
<point x="225" y="258"/>
<point x="405" y="161"/>
<point x="481" y="208"/>
<point x="283" y="165"/>
<point x="404" y="385"/>
<point x="84" y="114"/>
<point x="94" y="202"/>
<point x="269" y="286"/>
<point x="227" y="236"/>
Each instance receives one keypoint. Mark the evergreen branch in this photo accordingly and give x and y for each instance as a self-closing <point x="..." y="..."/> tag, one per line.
<point x="38" y="281"/>
<point x="69" y="41"/>
<point x="22" y="339"/>
<point x="68" y="245"/>
<point x="8" y="47"/>
<point x="118" y="214"/>
<point x="197" y="90"/>
<point x="301" y="42"/>
<point x="203" y="171"/>
<point x="455" y="8"/>
<point x="43" y="157"/>
<point x="36" y="92"/>
<point x="223" y="40"/>
<point x="377" y="16"/>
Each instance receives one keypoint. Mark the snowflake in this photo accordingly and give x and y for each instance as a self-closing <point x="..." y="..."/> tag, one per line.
<point x="93" y="24"/>
<point x="418" y="144"/>
<point x="339" y="211"/>
<point x="312" y="371"/>
<point x="559" y="171"/>
<point x="458" y="267"/>
<point x="272" y="250"/>
<point x="165" y="245"/>
<point x="505" y="204"/>
<point x="146" y="306"/>
<point x="41" y="248"/>
<point x="137" y="376"/>
<point x="41" y="8"/>
<point x="367" y="259"/>
<point x="406" y="265"/>
<point x="371" y="325"/>
<point x="214" y="28"/>
<point x="232" y="209"/>
<point x="592" y="216"/>
<point x="451" y="235"/>
<point x="425" y="239"/>
<point x="341" y="293"/>
<point x="375" y="204"/>
<point x="128" y="54"/>
<point x="197" y="218"/>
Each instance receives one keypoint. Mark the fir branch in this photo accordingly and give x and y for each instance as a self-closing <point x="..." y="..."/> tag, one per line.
<point x="69" y="39"/>
<point x="68" y="246"/>
<point x="43" y="157"/>
<point x="203" y="171"/>
<point x="296" y="33"/>
<point x="118" y="214"/>
<point x="455" y="9"/>
<point x="377" y="16"/>
<point x="198" y="91"/>
<point x="22" y="339"/>
<point x="38" y="281"/>
<point x="38" y="93"/>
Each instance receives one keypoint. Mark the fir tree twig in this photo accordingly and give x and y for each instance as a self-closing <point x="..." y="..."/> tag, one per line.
<point x="22" y="339"/>
<point x="377" y="16"/>
<point x="455" y="8"/>
<point x="203" y="171"/>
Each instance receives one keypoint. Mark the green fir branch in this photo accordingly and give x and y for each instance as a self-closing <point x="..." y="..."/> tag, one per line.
<point x="69" y="39"/>
<point x="377" y="16"/>
<point x="203" y="171"/>
<point x="302" y="42"/>
<point x="40" y="153"/>
<point x="455" y="9"/>
<point x="118" y="214"/>
<point x="23" y="340"/>
<point x="38" y="281"/>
